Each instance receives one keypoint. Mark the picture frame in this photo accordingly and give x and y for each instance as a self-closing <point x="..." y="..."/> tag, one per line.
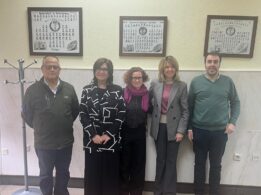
<point x="55" y="31"/>
<point x="231" y="36"/>
<point x="143" y="36"/>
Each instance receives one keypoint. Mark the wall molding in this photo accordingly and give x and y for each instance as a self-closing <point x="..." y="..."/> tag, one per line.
<point x="149" y="185"/>
<point x="201" y="70"/>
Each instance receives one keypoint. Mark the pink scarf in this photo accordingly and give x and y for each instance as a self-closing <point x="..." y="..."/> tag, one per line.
<point x="130" y="91"/>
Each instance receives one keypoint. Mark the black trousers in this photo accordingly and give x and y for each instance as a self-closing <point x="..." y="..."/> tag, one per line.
<point x="60" y="160"/>
<point x="132" y="171"/>
<point x="166" y="173"/>
<point x="206" y="143"/>
<point x="101" y="173"/>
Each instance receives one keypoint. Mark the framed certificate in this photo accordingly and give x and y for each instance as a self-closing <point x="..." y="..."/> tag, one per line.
<point x="231" y="36"/>
<point x="143" y="36"/>
<point x="55" y="31"/>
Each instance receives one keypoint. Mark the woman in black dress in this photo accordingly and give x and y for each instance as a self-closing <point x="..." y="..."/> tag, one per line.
<point x="102" y="112"/>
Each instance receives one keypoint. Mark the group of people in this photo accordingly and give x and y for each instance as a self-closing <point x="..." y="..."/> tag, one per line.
<point x="114" y="121"/>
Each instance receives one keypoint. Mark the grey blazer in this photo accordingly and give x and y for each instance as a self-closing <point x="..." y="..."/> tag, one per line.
<point x="177" y="114"/>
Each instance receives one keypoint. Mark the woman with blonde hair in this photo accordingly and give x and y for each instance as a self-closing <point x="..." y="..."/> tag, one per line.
<point x="169" y="123"/>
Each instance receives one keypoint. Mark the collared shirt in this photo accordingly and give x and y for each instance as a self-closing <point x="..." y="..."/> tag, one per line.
<point x="54" y="90"/>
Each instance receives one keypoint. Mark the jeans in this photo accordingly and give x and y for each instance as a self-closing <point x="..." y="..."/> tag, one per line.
<point x="206" y="143"/>
<point x="59" y="159"/>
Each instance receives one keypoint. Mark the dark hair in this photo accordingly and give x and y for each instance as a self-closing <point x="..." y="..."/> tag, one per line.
<point x="98" y="63"/>
<point x="127" y="76"/>
<point x="212" y="54"/>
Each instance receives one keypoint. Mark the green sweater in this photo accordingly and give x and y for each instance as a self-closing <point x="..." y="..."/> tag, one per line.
<point x="213" y="104"/>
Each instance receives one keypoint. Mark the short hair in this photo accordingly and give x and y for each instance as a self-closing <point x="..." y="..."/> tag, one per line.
<point x="163" y="63"/>
<point x="98" y="63"/>
<point x="127" y="76"/>
<point x="49" y="56"/>
<point x="212" y="54"/>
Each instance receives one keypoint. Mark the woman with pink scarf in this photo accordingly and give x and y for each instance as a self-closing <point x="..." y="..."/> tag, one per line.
<point x="133" y="154"/>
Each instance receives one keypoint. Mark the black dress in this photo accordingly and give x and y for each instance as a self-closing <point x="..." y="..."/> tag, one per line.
<point x="102" y="111"/>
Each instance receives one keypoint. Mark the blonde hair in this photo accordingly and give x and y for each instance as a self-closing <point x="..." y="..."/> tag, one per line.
<point x="163" y="63"/>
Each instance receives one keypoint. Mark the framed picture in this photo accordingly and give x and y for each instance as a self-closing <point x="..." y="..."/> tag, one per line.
<point x="56" y="31"/>
<point x="143" y="36"/>
<point x="231" y="36"/>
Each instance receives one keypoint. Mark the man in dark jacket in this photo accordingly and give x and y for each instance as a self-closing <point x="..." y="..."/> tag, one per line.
<point x="50" y="106"/>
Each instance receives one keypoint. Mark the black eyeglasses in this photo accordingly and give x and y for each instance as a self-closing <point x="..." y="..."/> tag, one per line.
<point x="102" y="69"/>
<point x="136" y="78"/>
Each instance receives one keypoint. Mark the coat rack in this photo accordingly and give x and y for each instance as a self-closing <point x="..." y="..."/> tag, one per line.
<point x="21" y="81"/>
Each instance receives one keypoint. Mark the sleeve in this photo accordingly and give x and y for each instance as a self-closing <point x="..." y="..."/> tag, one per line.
<point x="234" y="104"/>
<point x="191" y="101"/>
<point x="85" y="120"/>
<point x="75" y="105"/>
<point x="121" y="112"/>
<point x="183" y="123"/>
<point x="151" y="98"/>
<point x="27" y="110"/>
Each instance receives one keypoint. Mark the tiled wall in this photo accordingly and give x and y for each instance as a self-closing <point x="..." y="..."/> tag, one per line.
<point x="245" y="141"/>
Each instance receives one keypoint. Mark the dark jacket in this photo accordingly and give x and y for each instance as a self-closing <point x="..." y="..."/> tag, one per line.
<point x="102" y="116"/>
<point x="135" y="124"/>
<point x="51" y="115"/>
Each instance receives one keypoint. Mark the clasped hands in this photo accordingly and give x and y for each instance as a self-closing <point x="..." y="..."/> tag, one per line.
<point x="97" y="139"/>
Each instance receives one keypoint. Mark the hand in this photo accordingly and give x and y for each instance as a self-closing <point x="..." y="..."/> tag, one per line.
<point x="190" y="135"/>
<point x="230" y="128"/>
<point x="179" y="137"/>
<point x="105" y="138"/>
<point x="97" y="139"/>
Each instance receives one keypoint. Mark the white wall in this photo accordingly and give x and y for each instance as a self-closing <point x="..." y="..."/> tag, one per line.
<point x="245" y="141"/>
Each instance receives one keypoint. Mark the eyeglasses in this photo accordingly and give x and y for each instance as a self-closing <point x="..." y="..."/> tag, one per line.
<point x="50" y="67"/>
<point x="213" y="61"/>
<point x="136" y="78"/>
<point x="102" y="69"/>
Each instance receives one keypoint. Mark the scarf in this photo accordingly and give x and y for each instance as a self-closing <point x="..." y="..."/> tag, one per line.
<point x="130" y="91"/>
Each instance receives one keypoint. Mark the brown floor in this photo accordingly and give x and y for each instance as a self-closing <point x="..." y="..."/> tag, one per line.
<point x="9" y="190"/>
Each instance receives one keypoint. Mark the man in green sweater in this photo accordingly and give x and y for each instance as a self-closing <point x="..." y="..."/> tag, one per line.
<point x="214" y="109"/>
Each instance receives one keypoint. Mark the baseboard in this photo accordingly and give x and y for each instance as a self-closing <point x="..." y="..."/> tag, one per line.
<point x="149" y="185"/>
<point x="187" y="188"/>
<point x="34" y="181"/>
